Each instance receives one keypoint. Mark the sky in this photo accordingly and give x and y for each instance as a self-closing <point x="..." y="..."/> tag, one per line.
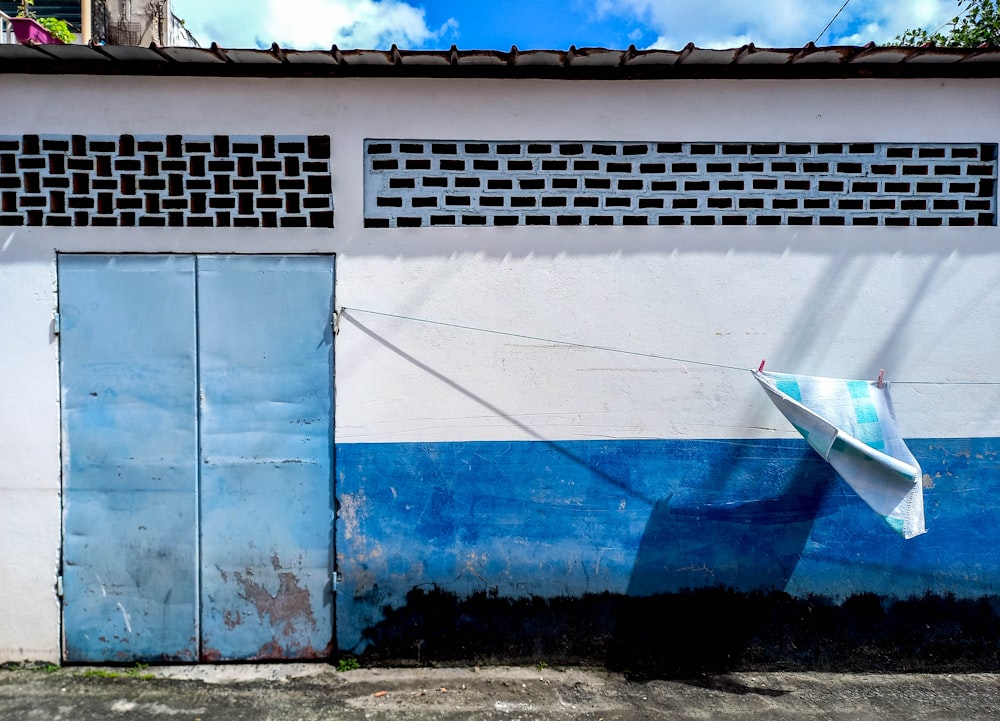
<point x="552" y="24"/>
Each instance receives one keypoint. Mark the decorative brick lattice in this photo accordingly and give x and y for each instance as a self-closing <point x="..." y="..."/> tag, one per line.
<point x="412" y="183"/>
<point x="166" y="180"/>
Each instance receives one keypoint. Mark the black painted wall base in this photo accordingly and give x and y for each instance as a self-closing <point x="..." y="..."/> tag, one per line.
<point x="698" y="631"/>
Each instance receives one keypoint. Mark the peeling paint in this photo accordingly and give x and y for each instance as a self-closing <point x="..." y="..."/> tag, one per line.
<point x="353" y="509"/>
<point x="274" y="650"/>
<point x="287" y="608"/>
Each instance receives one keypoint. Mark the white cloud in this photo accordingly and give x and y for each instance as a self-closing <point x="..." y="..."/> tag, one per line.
<point x="307" y="24"/>
<point x="893" y="17"/>
<point x="351" y="24"/>
<point x="860" y="36"/>
<point x="721" y="23"/>
<point x="777" y="23"/>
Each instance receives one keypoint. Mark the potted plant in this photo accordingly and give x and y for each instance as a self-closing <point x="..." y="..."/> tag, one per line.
<point x="45" y="31"/>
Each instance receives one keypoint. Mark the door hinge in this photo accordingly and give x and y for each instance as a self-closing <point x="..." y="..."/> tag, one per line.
<point x="55" y="323"/>
<point x="336" y="579"/>
<point x="59" y="586"/>
<point x="335" y="320"/>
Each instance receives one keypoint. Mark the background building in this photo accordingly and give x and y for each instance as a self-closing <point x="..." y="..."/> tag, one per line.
<point x="118" y="22"/>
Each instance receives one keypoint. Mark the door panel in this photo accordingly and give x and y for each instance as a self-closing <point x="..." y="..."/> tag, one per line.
<point x="127" y="354"/>
<point x="266" y="366"/>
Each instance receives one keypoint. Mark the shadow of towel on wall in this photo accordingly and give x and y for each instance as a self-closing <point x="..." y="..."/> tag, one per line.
<point x="710" y="563"/>
<point x="745" y="544"/>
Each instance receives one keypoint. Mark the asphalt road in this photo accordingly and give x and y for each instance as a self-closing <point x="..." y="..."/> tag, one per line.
<point x="300" y="692"/>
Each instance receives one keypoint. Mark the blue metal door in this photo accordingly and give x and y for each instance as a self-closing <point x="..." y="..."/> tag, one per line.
<point x="266" y="455"/>
<point x="197" y="444"/>
<point x="128" y="357"/>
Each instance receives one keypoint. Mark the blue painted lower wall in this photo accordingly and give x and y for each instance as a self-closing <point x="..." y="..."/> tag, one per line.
<point x="637" y="518"/>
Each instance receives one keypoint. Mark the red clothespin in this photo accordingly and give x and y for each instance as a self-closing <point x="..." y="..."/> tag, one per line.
<point x="881" y="378"/>
<point x="761" y="368"/>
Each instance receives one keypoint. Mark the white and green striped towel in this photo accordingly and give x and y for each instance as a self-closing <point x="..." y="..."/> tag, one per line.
<point x="852" y="425"/>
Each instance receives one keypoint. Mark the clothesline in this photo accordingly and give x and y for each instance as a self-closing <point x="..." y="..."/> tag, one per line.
<point x="611" y="349"/>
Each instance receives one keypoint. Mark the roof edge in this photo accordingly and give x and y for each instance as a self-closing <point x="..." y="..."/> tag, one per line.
<point x="747" y="61"/>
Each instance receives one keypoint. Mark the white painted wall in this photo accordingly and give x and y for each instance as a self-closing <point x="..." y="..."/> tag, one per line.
<point x="921" y="303"/>
<point x="29" y="449"/>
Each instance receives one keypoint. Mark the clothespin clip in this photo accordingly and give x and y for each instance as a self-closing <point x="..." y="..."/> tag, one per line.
<point x="881" y="378"/>
<point x="761" y="368"/>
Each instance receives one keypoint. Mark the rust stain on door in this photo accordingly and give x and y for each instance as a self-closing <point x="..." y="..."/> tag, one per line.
<point x="287" y="608"/>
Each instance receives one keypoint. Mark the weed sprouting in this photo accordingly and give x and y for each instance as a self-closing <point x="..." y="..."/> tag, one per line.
<point x="348" y="663"/>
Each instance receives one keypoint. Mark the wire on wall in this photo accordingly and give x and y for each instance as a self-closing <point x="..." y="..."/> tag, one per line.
<point x="610" y="349"/>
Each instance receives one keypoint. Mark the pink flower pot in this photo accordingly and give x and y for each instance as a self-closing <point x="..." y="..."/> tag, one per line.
<point x="26" y="29"/>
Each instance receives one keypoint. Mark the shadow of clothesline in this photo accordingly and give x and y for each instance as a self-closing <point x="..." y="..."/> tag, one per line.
<point x="493" y="408"/>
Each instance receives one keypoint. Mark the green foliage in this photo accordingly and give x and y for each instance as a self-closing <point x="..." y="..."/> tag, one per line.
<point x="29" y="666"/>
<point x="135" y="672"/>
<point x="348" y="663"/>
<point x="978" y="22"/>
<point x="58" y="29"/>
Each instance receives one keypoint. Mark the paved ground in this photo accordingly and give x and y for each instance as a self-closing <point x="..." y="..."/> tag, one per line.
<point x="299" y="692"/>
